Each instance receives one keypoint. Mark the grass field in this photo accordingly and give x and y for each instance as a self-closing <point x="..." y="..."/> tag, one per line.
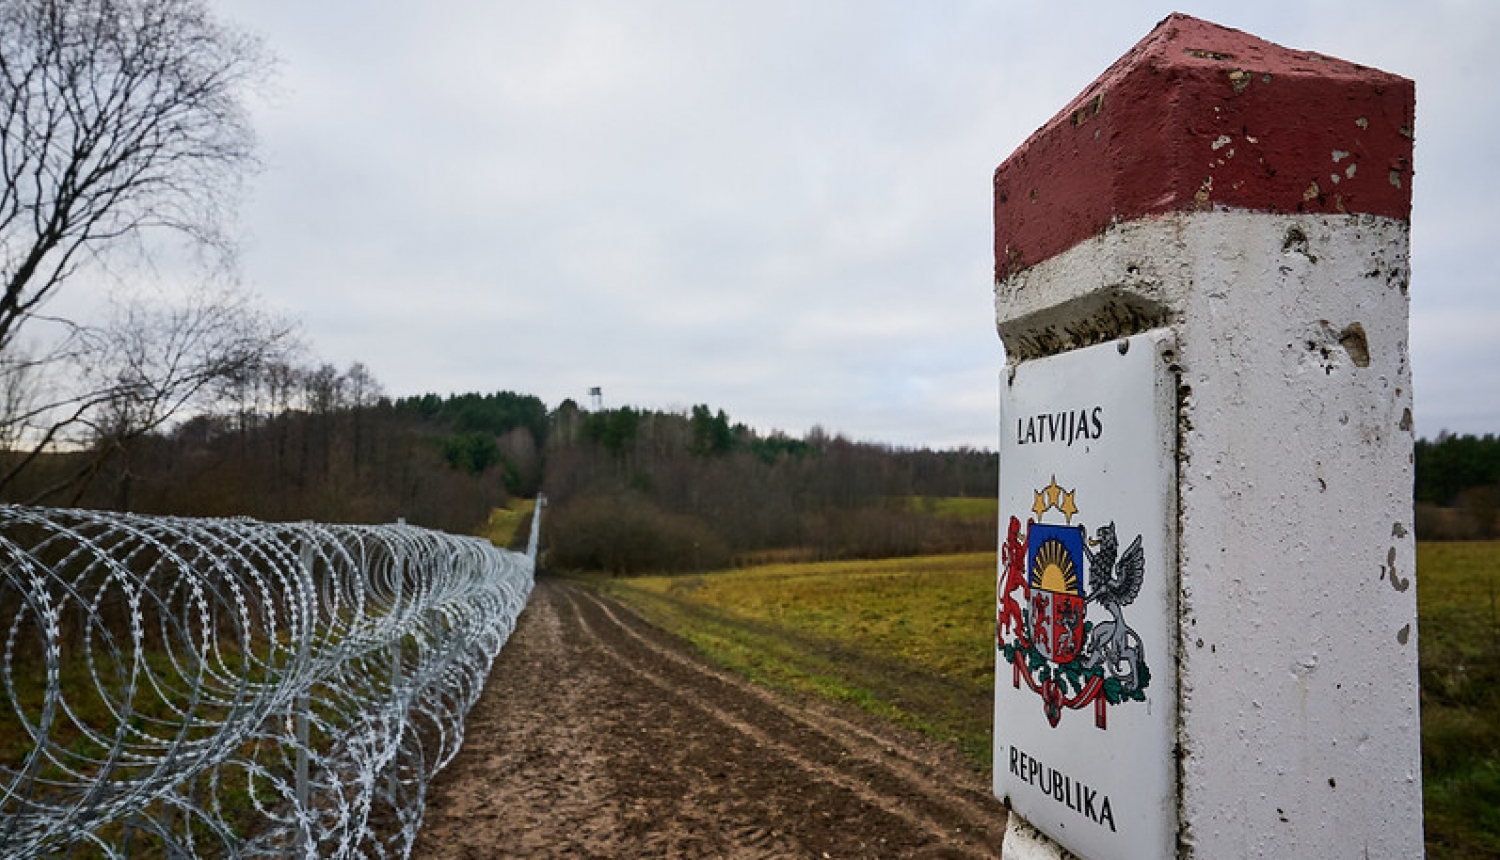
<point x="911" y="639"/>
<point x="504" y="522"/>
<point x="1458" y="608"/>
<point x="953" y="506"/>
<point x="908" y="639"/>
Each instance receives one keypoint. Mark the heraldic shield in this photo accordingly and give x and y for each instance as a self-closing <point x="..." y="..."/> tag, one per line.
<point x="1054" y="570"/>
<point x="1041" y="626"/>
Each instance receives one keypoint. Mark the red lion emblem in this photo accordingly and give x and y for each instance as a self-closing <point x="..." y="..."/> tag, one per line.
<point x="1013" y="562"/>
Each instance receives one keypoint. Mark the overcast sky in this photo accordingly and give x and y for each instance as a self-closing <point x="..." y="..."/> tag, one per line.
<point x="780" y="208"/>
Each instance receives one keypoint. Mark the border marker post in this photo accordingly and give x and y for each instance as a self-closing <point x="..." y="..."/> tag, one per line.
<point x="1206" y="641"/>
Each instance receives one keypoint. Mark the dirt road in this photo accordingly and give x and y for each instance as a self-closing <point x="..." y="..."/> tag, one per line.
<point x="600" y="736"/>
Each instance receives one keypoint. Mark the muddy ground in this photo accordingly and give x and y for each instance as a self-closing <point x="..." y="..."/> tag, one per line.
<point x="600" y="736"/>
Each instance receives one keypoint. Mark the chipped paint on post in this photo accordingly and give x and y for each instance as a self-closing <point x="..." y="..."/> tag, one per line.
<point x="1207" y="118"/>
<point x="1297" y="726"/>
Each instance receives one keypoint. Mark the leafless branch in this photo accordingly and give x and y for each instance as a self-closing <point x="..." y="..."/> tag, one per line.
<point x="116" y="117"/>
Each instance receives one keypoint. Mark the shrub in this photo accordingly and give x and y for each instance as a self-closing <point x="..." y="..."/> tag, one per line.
<point x="895" y="530"/>
<point x="626" y="534"/>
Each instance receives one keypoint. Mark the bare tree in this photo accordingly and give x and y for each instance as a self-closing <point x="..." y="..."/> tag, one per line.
<point x="324" y="389"/>
<point x="364" y="393"/>
<point x="147" y="365"/>
<point x="117" y="117"/>
<point x="20" y="393"/>
<point x="364" y="388"/>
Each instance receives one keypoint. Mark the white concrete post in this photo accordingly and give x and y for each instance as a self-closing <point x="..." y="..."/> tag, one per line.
<point x="1226" y="221"/>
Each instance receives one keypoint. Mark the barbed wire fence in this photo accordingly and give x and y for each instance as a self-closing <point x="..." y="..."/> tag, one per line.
<point x="185" y="688"/>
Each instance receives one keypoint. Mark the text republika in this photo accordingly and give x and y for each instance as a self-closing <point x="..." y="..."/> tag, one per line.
<point x="1064" y="789"/>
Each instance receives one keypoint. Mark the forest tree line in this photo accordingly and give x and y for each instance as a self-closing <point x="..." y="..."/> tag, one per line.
<point x="629" y="489"/>
<point x="637" y="489"/>
<point x="1458" y="487"/>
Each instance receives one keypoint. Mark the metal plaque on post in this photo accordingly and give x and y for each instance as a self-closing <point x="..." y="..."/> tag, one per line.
<point x="1085" y="684"/>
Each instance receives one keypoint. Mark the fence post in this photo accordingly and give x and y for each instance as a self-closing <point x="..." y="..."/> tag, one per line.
<point x="1206" y="605"/>
<point x="307" y="558"/>
<point x="398" y="581"/>
<point x="536" y="526"/>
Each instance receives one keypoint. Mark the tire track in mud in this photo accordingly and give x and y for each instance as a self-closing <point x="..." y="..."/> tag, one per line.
<point x="818" y="752"/>
<point x="526" y="784"/>
<point x="600" y="736"/>
<point x="899" y="685"/>
<point x="934" y="784"/>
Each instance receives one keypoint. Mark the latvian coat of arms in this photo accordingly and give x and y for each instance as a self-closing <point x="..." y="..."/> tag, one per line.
<point x="1051" y="574"/>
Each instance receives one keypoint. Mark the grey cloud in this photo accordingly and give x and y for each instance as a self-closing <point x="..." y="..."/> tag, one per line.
<point x="778" y="208"/>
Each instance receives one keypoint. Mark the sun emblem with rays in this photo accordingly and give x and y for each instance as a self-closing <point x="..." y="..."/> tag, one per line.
<point x="1054" y="568"/>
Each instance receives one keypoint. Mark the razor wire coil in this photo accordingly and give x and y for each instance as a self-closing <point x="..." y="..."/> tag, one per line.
<point x="177" y="688"/>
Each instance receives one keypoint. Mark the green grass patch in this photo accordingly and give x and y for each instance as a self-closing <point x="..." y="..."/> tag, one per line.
<point x="1458" y="609"/>
<point x="504" y="523"/>
<point x="953" y="507"/>
<point x="912" y="640"/>
<point x="907" y="639"/>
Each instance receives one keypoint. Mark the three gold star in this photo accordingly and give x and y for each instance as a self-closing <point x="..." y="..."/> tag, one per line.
<point x="1054" y="496"/>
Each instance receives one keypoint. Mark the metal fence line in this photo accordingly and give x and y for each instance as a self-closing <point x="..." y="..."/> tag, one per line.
<point x="179" y="688"/>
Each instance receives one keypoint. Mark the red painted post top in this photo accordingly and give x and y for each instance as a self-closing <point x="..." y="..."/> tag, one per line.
<point x="1200" y="117"/>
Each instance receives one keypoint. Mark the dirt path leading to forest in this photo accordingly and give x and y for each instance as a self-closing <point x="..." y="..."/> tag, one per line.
<point x="600" y="736"/>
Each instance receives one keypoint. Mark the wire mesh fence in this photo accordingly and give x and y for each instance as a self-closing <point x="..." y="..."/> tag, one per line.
<point x="232" y="688"/>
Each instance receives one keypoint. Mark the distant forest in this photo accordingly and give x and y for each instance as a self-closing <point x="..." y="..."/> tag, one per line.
<point x="628" y="489"/>
<point x="1458" y="487"/>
